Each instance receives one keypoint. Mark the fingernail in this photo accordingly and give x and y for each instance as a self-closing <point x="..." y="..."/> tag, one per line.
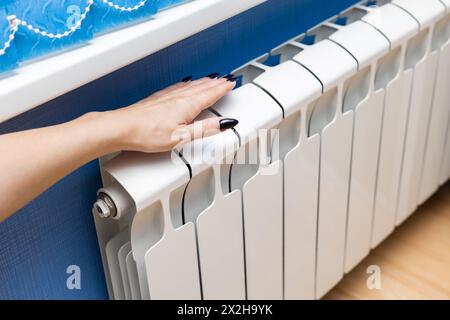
<point x="232" y="79"/>
<point x="214" y="75"/>
<point x="228" y="123"/>
<point x="228" y="76"/>
<point x="187" y="79"/>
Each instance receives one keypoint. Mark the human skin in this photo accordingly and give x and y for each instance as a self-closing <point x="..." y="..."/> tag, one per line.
<point x="34" y="160"/>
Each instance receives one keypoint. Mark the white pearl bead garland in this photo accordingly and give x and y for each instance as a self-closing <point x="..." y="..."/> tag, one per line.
<point x="14" y="27"/>
<point x="125" y="9"/>
<point x="14" y="23"/>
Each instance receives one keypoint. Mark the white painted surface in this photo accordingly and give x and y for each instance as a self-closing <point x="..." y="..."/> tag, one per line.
<point x="262" y="195"/>
<point x="219" y="224"/>
<point x="425" y="12"/>
<point x="295" y="88"/>
<point x="421" y="103"/>
<point x="333" y="66"/>
<point x="434" y="153"/>
<point x="112" y="248"/>
<point x="122" y="254"/>
<point x="366" y="45"/>
<point x="166" y="258"/>
<point x="398" y="27"/>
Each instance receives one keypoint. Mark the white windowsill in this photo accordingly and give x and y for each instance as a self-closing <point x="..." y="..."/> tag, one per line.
<point x="36" y="83"/>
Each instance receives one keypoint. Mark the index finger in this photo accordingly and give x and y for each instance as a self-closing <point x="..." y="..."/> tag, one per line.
<point x="205" y="99"/>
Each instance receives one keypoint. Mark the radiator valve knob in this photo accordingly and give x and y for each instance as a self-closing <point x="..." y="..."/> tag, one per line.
<point x="104" y="206"/>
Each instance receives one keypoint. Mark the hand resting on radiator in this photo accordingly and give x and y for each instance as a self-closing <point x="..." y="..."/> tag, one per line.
<point x="34" y="160"/>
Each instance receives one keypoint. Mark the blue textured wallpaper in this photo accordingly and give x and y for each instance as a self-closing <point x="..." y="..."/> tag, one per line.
<point x="38" y="243"/>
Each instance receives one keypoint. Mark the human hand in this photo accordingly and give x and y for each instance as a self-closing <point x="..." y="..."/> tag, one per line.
<point x="155" y="124"/>
<point x="165" y="119"/>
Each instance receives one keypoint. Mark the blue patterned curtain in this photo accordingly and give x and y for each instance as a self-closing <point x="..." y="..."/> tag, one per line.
<point x="46" y="26"/>
<point x="107" y="17"/>
<point x="8" y="58"/>
<point x="50" y="16"/>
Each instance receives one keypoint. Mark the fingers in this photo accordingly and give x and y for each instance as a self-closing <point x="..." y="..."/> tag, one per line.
<point x="180" y="90"/>
<point x="209" y="127"/>
<point x="186" y="90"/>
<point x="199" y="86"/>
<point x="205" y="96"/>
<point x="174" y="90"/>
<point x="172" y="112"/>
<point x="165" y="91"/>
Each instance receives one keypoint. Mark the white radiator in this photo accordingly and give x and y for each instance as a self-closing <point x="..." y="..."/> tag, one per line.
<point x="358" y="136"/>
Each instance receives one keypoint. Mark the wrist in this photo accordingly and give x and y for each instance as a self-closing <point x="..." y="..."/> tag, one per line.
<point x="106" y="132"/>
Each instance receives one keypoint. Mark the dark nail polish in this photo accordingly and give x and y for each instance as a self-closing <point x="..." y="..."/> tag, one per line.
<point x="187" y="79"/>
<point x="228" y="76"/>
<point x="228" y="123"/>
<point x="214" y="75"/>
<point x="232" y="79"/>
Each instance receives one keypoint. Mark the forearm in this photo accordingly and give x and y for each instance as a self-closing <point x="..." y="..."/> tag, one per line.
<point x="34" y="160"/>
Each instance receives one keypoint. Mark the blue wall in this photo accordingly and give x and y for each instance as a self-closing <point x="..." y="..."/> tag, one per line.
<point x="57" y="230"/>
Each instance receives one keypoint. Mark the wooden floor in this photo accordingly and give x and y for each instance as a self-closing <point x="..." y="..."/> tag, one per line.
<point x="414" y="260"/>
